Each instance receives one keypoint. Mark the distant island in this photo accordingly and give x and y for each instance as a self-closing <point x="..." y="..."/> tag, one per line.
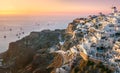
<point x="87" y="45"/>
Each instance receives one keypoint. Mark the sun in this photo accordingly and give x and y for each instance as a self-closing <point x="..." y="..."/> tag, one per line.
<point x="7" y="12"/>
<point x="15" y="12"/>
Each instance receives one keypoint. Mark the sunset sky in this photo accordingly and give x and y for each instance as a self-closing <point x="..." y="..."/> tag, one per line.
<point x="8" y="7"/>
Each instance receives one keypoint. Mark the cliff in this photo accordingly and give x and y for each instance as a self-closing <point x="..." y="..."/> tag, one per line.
<point x="32" y="54"/>
<point x="31" y="50"/>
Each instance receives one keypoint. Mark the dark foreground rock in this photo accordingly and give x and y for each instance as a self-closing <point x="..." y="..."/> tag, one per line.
<point x="31" y="53"/>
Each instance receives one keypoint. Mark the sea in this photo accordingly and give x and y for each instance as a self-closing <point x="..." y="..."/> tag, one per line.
<point x="13" y="28"/>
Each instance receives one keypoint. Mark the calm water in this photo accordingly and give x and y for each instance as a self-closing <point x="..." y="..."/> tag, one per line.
<point x="13" y="28"/>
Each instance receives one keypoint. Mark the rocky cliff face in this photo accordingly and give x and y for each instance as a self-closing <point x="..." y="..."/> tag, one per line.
<point x="71" y="27"/>
<point x="32" y="52"/>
